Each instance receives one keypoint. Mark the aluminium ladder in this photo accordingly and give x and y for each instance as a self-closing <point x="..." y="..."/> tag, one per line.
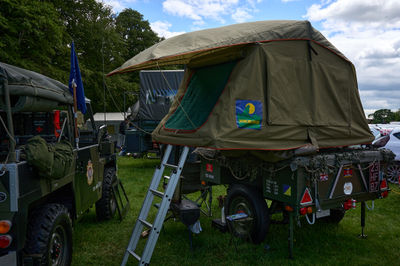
<point x="155" y="228"/>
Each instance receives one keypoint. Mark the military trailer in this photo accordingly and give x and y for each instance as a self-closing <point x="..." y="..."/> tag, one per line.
<point x="275" y="112"/>
<point x="47" y="181"/>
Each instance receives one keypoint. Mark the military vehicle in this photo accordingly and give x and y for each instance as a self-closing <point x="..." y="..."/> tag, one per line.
<point x="47" y="181"/>
<point x="275" y="112"/>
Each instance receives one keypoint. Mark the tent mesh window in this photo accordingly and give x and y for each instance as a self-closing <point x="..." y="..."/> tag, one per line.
<point x="202" y="93"/>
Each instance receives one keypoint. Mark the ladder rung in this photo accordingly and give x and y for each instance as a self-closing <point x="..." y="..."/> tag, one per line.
<point x="134" y="254"/>
<point x="171" y="165"/>
<point x="157" y="193"/>
<point x="146" y="223"/>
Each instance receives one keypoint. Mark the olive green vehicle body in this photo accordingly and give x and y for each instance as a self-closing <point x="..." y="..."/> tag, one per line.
<point x="324" y="174"/>
<point x="22" y="188"/>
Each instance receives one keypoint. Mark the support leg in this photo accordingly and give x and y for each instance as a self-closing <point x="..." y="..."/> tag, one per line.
<point x="363" y="220"/>
<point x="290" y="238"/>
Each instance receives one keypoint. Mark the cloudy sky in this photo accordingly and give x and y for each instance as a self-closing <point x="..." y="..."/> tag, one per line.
<point x="366" y="31"/>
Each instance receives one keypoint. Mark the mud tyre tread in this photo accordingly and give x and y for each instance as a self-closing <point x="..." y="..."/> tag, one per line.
<point x="106" y="205"/>
<point x="44" y="223"/>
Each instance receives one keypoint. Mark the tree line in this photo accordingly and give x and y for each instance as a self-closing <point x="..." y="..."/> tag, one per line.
<point x="36" y="35"/>
<point x="384" y="116"/>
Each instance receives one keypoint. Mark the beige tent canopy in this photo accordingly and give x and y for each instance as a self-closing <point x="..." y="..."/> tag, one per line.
<point x="269" y="85"/>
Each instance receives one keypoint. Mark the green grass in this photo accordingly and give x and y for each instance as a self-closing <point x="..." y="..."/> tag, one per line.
<point x="104" y="243"/>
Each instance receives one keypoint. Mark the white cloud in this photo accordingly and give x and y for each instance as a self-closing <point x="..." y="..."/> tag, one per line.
<point x="217" y="10"/>
<point x="117" y="5"/>
<point x="162" y="29"/>
<point x="241" y="15"/>
<point x="368" y="33"/>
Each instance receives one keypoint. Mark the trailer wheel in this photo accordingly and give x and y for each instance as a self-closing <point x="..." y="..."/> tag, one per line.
<point x="335" y="217"/>
<point x="50" y="235"/>
<point x="245" y="199"/>
<point x="107" y="204"/>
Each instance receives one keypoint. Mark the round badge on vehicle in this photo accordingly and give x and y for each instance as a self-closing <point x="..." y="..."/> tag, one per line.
<point x="348" y="188"/>
<point x="89" y="172"/>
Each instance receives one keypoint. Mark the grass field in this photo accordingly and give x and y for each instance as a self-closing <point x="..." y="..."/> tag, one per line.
<point x="104" y="243"/>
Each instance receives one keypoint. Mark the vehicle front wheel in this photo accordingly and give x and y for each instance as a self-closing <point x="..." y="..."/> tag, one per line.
<point x="107" y="204"/>
<point x="245" y="199"/>
<point x="50" y="235"/>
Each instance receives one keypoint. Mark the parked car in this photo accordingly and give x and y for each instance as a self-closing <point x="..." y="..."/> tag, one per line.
<point x="391" y="142"/>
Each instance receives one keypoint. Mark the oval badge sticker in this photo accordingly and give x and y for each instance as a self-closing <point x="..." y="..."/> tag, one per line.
<point x="348" y="188"/>
<point x="89" y="172"/>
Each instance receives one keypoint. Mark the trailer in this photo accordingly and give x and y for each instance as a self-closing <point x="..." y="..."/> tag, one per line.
<point x="274" y="111"/>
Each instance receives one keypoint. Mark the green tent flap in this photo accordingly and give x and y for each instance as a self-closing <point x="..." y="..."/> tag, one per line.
<point x="202" y="93"/>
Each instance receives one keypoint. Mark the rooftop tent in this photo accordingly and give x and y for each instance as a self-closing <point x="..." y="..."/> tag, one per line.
<point x="157" y="90"/>
<point x="270" y="85"/>
<point x="31" y="91"/>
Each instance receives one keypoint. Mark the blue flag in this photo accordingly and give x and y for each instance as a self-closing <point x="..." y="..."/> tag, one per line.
<point x="76" y="80"/>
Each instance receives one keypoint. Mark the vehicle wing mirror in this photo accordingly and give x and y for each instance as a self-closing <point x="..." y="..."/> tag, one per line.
<point x="102" y="133"/>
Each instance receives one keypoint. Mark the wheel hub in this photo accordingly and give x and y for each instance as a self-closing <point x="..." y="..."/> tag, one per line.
<point x="57" y="246"/>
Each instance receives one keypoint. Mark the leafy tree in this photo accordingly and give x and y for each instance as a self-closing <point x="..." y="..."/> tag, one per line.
<point x="383" y="116"/>
<point x="135" y="32"/>
<point x="36" y="34"/>
<point x="30" y="35"/>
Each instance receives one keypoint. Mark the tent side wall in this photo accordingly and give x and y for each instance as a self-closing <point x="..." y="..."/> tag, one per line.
<point x="302" y="91"/>
<point x="157" y="89"/>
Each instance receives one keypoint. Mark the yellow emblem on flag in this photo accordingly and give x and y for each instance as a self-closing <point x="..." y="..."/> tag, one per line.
<point x="287" y="190"/>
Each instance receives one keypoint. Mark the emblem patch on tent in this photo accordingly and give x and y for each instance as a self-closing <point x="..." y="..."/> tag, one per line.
<point x="248" y="114"/>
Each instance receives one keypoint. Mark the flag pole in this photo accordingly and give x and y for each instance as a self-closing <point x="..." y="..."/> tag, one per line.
<point x="75" y="116"/>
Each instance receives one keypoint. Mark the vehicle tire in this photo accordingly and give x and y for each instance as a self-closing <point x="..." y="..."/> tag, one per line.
<point x="107" y="204"/>
<point x="335" y="217"/>
<point x="245" y="199"/>
<point x="393" y="172"/>
<point x="49" y="235"/>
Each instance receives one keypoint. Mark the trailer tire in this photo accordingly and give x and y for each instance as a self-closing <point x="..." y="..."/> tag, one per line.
<point x="49" y="235"/>
<point x="335" y="217"/>
<point x="106" y="206"/>
<point x="243" y="198"/>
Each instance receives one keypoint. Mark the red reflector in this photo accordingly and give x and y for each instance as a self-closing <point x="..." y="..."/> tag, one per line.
<point x="384" y="185"/>
<point x="384" y="194"/>
<point x="209" y="167"/>
<point x="303" y="211"/>
<point x="306" y="199"/>
<point x="5" y="241"/>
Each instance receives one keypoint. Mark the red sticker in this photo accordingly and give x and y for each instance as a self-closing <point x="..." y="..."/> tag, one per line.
<point x="347" y="172"/>
<point x="209" y="167"/>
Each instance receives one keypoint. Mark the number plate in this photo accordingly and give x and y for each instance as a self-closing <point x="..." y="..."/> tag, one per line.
<point x="374" y="177"/>
<point x="322" y="213"/>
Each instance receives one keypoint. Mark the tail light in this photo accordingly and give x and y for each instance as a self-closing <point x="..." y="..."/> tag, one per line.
<point x="5" y="226"/>
<point x="155" y="145"/>
<point x="349" y="204"/>
<point x="5" y="241"/>
<point x="384" y="188"/>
